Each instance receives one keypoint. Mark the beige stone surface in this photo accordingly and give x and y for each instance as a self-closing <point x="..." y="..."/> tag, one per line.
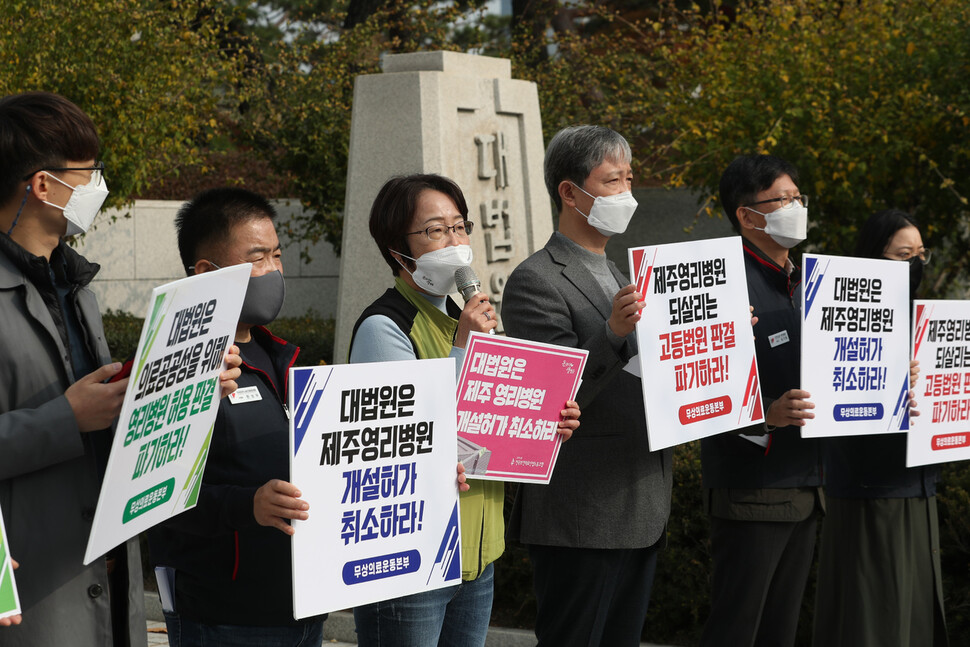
<point x="464" y="117"/>
<point x="137" y="249"/>
<point x="449" y="63"/>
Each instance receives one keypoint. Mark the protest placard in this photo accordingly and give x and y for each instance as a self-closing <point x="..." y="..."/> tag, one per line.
<point x="373" y="453"/>
<point x="162" y="439"/>
<point x="510" y="394"/>
<point x="9" y="600"/>
<point x="696" y="350"/>
<point x="941" y="344"/>
<point x="855" y="345"/>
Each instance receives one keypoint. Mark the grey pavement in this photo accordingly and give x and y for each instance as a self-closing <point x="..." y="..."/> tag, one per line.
<point x="338" y="630"/>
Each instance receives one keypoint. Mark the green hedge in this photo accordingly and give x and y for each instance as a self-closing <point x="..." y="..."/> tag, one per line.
<point x="679" y="605"/>
<point x="313" y="334"/>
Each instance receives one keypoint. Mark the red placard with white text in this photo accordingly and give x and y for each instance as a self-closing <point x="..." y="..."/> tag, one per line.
<point x="509" y="397"/>
<point x="696" y="349"/>
<point x="941" y="344"/>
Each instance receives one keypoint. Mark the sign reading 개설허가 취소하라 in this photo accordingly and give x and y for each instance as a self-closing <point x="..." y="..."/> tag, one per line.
<point x="510" y="395"/>
<point x="696" y="354"/>
<point x="941" y="344"/>
<point x="161" y="442"/>
<point x="855" y="345"/>
<point x="373" y="452"/>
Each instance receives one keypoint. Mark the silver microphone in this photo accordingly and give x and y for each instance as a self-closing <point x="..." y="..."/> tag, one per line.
<point x="467" y="282"/>
<point x="468" y="285"/>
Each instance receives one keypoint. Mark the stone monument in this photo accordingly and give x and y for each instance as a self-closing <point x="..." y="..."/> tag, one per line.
<point x="461" y="116"/>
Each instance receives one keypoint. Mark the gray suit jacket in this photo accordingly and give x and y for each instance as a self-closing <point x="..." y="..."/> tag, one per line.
<point x="608" y="489"/>
<point x="49" y="483"/>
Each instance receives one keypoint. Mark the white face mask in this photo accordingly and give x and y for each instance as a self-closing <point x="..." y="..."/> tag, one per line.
<point x="610" y="214"/>
<point x="83" y="204"/>
<point x="434" y="272"/>
<point x="787" y="227"/>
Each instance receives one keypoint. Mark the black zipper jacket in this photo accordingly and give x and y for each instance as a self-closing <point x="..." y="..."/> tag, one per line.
<point x="789" y="461"/>
<point x="229" y="569"/>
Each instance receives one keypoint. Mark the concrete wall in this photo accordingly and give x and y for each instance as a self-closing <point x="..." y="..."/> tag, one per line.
<point x="137" y="251"/>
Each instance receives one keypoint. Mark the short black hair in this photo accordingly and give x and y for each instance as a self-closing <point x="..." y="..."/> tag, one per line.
<point x="879" y="229"/>
<point x="209" y="217"/>
<point x="394" y="208"/>
<point x="746" y="177"/>
<point x="41" y="130"/>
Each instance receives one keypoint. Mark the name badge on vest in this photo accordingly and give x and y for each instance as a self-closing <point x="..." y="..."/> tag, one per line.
<point x="778" y="338"/>
<point x="245" y="394"/>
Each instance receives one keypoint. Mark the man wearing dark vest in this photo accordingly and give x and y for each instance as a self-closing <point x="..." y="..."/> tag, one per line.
<point x="229" y="557"/>
<point x="763" y="488"/>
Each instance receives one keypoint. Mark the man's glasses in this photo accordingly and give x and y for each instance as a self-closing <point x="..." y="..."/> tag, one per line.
<point x="97" y="171"/>
<point x="786" y="201"/>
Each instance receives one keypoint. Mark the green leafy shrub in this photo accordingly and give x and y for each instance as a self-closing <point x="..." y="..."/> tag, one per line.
<point x="122" y="330"/>
<point x="312" y="333"/>
<point x="953" y="500"/>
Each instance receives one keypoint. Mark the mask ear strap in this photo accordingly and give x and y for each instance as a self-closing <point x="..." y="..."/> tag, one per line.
<point x="22" y="203"/>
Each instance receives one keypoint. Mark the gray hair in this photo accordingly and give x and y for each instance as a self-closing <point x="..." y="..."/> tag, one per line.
<point x="575" y="151"/>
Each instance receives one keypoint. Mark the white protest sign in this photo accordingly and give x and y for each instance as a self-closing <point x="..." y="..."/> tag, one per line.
<point x="696" y="348"/>
<point x="162" y="439"/>
<point x="373" y="450"/>
<point x="9" y="600"/>
<point x="855" y="345"/>
<point x="941" y="343"/>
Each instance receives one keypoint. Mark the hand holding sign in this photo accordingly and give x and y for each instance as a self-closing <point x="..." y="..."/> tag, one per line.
<point x="570" y="420"/>
<point x="792" y="408"/>
<point x="227" y="379"/>
<point x="277" y="501"/>
<point x="463" y="485"/>
<point x="913" y="377"/>
<point x="94" y="403"/>
<point x="627" y="304"/>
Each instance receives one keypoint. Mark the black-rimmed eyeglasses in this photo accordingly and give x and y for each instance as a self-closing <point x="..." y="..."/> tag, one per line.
<point x="97" y="171"/>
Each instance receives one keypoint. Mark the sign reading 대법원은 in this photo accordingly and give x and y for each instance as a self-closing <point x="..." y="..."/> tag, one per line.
<point x="941" y="344"/>
<point x="373" y="450"/>
<point x="855" y="345"/>
<point x="696" y="350"/>
<point x="9" y="600"/>
<point x="509" y="397"/>
<point x="162" y="439"/>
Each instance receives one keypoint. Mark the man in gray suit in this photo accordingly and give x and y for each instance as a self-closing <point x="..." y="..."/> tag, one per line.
<point x="593" y="533"/>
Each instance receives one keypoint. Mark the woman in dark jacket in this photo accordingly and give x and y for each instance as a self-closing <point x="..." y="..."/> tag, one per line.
<point x="879" y="559"/>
